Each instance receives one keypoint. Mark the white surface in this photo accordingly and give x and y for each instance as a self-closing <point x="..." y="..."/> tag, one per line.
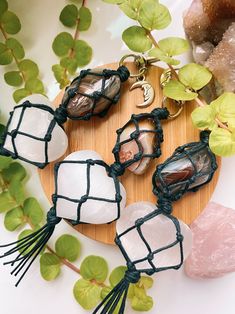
<point x="173" y="292"/>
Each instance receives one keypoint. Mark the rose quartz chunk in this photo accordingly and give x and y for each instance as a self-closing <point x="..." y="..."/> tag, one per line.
<point x="213" y="252"/>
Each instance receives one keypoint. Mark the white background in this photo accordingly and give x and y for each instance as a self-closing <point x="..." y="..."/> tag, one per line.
<point x="173" y="292"/>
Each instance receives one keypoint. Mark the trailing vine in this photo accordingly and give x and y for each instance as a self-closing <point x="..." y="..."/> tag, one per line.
<point x="26" y="73"/>
<point x="184" y="83"/>
<point x="73" y="52"/>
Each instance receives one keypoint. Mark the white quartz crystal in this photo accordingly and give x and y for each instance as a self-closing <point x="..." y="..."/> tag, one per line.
<point x="158" y="232"/>
<point x="72" y="183"/>
<point x="36" y="122"/>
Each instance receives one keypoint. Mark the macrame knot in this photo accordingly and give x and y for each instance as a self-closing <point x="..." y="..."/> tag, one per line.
<point x="165" y="205"/>
<point x="132" y="276"/>
<point x="160" y="113"/>
<point x="13" y="133"/>
<point x="52" y="219"/>
<point x="83" y="74"/>
<point x="61" y="115"/>
<point x="204" y="136"/>
<point x="123" y="73"/>
<point x="116" y="169"/>
<point x="97" y="95"/>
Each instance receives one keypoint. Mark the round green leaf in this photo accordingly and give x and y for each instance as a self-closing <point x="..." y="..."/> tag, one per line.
<point x="33" y="211"/>
<point x="140" y="305"/>
<point x="5" y="55"/>
<point x="59" y="73"/>
<point x="162" y="56"/>
<point x="14" y="172"/>
<point x="94" y="267"/>
<point x="3" y="7"/>
<point x="136" y="38"/>
<point x="222" y="142"/>
<point x="117" y="275"/>
<point x="14" y="219"/>
<point x="83" y="53"/>
<point x="7" y="202"/>
<point x="35" y="86"/>
<point x="85" y="18"/>
<point x="68" y="247"/>
<point x="4" y="162"/>
<point x="16" y="190"/>
<point x="224" y="107"/>
<point x="29" y="69"/>
<point x="153" y="15"/>
<point x="86" y="294"/>
<point x="176" y="90"/>
<point x="62" y="44"/>
<point x="10" y="23"/>
<point x="22" y="235"/>
<point x="173" y="46"/>
<point x="69" y="15"/>
<point x="131" y="8"/>
<point x="49" y="266"/>
<point x="20" y="94"/>
<point x="70" y="64"/>
<point x="145" y="282"/>
<point x="204" y="117"/>
<point x="13" y="78"/>
<point x="195" y="76"/>
<point x="16" y="48"/>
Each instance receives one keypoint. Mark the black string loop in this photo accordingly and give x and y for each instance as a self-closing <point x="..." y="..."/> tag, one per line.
<point x="123" y="73"/>
<point x="52" y="219"/>
<point x="165" y="205"/>
<point x="61" y="115"/>
<point x="160" y="113"/>
<point x="132" y="276"/>
<point x="116" y="169"/>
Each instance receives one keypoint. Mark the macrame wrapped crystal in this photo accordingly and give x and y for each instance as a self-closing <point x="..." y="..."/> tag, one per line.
<point x="32" y="134"/>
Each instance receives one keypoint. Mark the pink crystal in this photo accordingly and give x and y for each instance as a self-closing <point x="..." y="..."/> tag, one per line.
<point x="213" y="252"/>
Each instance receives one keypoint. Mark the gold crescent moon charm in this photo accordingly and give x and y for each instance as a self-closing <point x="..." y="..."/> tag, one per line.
<point x="148" y="92"/>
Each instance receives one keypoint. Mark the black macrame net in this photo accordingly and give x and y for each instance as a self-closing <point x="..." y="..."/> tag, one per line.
<point x="14" y="133"/>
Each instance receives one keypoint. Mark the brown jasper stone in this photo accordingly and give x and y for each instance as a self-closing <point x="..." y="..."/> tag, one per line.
<point x="82" y="104"/>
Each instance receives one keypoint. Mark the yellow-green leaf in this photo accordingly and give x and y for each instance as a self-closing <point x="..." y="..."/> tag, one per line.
<point x="16" y="48"/>
<point x="86" y="294"/>
<point x="62" y="44"/>
<point x="204" y="117"/>
<point x="13" y="78"/>
<point x="131" y="8"/>
<point x="10" y="22"/>
<point x="14" y="219"/>
<point x="7" y="202"/>
<point x="85" y="18"/>
<point x="162" y="56"/>
<point x="83" y="52"/>
<point x="5" y="55"/>
<point x="69" y="15"/>
<point x="176" y="90"/>
<point x="173" y="46"/>
<point x="224" y="107"/>
<point x="3" y="7"/>
<point x="136" y="38"/>
<point x="94" y="267"/>
<point x="222" y="142"/>
<point x="68" y="247"/>
<point x="49" y="266"/>
<point x="153" y="15"/>
<point x="20" y="94"/>
<point x="33" y="211"/>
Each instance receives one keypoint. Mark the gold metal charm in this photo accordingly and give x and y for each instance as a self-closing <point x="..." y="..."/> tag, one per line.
<point x="149" y="93"/>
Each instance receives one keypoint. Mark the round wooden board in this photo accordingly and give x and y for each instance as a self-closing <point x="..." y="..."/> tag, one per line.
<point x="99" y="135"/>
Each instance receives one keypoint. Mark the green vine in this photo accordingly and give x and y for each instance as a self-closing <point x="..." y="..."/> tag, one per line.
<point x="74" y="53"/>
<point x="25" y="76"/>
<point x="185" y="83"/>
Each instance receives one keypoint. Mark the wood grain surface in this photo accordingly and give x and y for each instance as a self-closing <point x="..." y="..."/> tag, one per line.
<point x="99" y="135"/>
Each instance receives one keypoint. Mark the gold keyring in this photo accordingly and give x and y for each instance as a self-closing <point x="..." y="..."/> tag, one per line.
<point x="180" y="104"/>
<point x="140" y="62"/>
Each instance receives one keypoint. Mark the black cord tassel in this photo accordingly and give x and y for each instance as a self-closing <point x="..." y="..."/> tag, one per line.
<point x="30" y="246"/>
<point x="119" y="293"/>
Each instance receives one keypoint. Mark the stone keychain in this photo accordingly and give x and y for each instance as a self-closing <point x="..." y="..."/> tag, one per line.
<point x="34" y="131"/>
<point x="162" y="240"/>
<point x="87" y="190"/>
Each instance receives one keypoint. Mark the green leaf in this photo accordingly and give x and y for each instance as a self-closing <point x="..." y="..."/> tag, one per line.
<point x="153" y="15"/>
<point x="29" y="69"/>
<point x="14" y="172"/>
<point x="24" y="234"/>
<point x="131" y="8"/>
<point x="33" y="211"/>
<point x="59" y="73"/>
<point x="85" y="18"/>
<point x="34" y="86"/>
<point x="204" y="117"/>
<point x="222" y="142"/>
<point x="13" y="78"/>
<point x="224" y="108"/>
<point x="176" y="90"/>
<point x="20" y="94"/>
<point x="10" y="23"/>
<point x="49" y="266"/>
<point x="117" y="275"/>
<point x="68" y="63"/>
<point x="62" y="44"/>
<point x="173" y="46"/>
<point x="83" y="53"/>
<point x="162" y="56"/>
<point x="16" y="190"/>
<point x="94" y="267"/>
<point x="141" y="305"/>
<point x="3" y="7"/>
<point x="105" y="291"/>
<point x="4" y="162"/>
<point x="5" y="55"/>
<point x="145" y="282"/>
<point x="14" y="219"/>
<point x="68" y="247"/>
<point x="114" y="1"/>
<point x="195" y="76"/>
<point x="16" y="48"/>
<point x="69" y="15"/>
<point x="86" y="294"/>
<point x="6" y="202"/>
<point x="136" y="38"/>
